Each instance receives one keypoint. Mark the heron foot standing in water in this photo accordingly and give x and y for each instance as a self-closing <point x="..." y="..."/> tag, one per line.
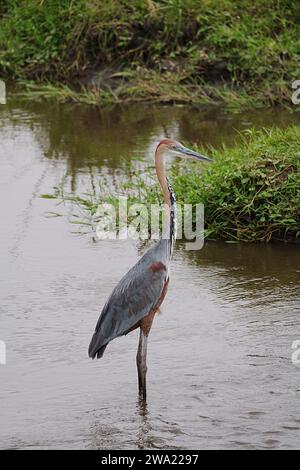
<point x="139" y="294"/>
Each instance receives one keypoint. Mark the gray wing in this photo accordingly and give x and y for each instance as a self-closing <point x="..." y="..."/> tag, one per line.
<point x="134" y="296"/>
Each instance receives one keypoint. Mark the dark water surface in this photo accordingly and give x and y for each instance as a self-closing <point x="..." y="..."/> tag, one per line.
<point x="220" y="369"/>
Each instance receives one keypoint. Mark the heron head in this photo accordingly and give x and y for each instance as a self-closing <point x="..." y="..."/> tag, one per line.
<point x="176" y="148"/>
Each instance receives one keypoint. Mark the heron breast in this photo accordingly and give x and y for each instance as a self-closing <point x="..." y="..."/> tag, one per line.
<point x="146" y="322"/>
<point x="158" y="266"/>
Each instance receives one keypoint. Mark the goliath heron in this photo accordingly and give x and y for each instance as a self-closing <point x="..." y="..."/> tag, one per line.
<point x="138" y="296"/>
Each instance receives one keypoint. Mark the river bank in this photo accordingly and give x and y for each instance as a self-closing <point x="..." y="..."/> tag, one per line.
<point x="239" y="53"/>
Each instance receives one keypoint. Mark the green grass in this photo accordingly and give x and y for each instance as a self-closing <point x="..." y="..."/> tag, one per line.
<point x="251" y="192"/>
<point x="235" y="51"/>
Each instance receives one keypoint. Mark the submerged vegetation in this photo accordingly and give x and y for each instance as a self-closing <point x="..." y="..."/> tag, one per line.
<point x="250" y="193"/>
<point x="235" y="51"/>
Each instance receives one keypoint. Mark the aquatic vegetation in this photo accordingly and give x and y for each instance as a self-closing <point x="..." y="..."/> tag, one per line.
<point x="250" y="193"/>
<point x="240" y="52"/>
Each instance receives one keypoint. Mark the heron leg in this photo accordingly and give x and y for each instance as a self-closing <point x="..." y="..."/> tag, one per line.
<point x="141" y="361"/>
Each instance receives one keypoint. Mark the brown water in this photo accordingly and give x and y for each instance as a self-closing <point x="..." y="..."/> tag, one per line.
<point x="220" y="369"/>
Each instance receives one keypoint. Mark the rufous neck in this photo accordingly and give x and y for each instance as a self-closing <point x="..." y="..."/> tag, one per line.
<point x="161" y="175"/>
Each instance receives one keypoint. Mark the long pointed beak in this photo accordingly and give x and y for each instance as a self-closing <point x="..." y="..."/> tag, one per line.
<point x="191" y="153"/>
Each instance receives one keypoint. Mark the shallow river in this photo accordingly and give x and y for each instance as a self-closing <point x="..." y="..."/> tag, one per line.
<point x="220" y="369"/>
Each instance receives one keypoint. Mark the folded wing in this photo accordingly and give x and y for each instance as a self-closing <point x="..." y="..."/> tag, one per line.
<point x="132" y="299"/>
